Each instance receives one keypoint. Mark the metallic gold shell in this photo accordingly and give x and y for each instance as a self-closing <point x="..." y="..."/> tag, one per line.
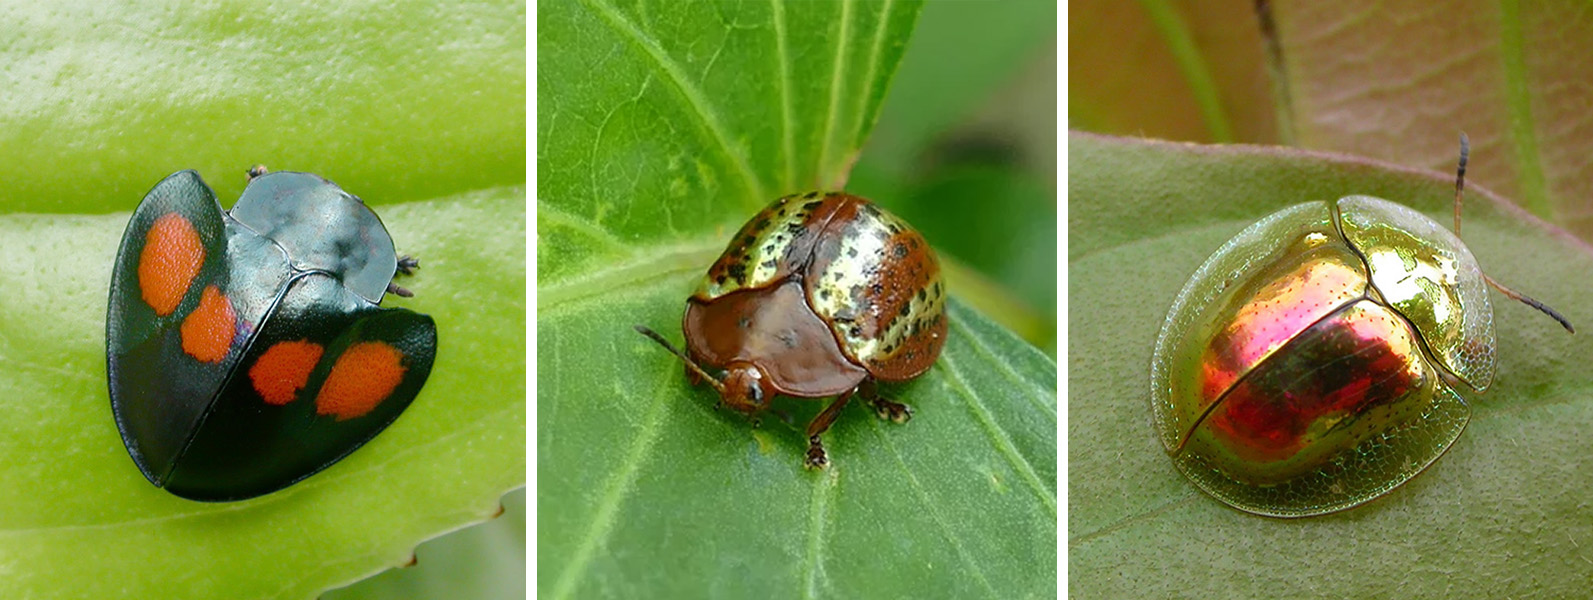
<point x="1304" y="368"/>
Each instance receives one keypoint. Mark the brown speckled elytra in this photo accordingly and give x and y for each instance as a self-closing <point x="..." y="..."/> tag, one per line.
<point x="819" y="295"/>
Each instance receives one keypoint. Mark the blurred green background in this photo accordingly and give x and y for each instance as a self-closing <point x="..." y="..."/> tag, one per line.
<point x="965" y="149"/>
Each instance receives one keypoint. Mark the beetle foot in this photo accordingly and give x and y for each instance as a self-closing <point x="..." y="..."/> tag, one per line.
<point x="408" y="264"/>
<point x="893" y="411"/>
<point x="392" y="288"/>
<point x="256" y="171"/>
<point x="817" y="458"/>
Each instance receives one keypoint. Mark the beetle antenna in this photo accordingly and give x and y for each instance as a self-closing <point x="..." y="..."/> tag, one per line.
<point x="713" y="381"/>
<point x="1460" y="179"/>
<point x="1460" y="187"/>
<point x="1524" y="299"/>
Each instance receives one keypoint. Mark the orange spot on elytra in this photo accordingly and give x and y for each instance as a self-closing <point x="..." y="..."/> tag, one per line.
<point x="280" y="373"/>
<point x="207" y="332"/>
<point x="364" y="376"/>
<point x="170" y="260"/>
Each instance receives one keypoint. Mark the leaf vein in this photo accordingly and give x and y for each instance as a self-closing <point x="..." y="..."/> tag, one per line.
<point x="929" y="507"/>
<point x="836" y="72"/>
<point x="707" y="114"/>
<point x="818" y="509"/>
<point x="787" y="142"/>
<point x="648" y="266"/>
<point x="1002" y="441"/>
<point x="619" y="487"/>
<point x="556" y="215"/>
<point x="869" y="77"/>
<point x="1040" y="396"/>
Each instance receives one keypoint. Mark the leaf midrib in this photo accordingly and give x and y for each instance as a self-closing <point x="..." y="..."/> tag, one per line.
<point x="648" y="266"/>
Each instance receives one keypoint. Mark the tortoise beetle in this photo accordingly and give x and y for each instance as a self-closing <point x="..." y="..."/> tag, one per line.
<point x="1310" y="365"/>
<point x="245" y="349"/>
<point x="818" y="295"/>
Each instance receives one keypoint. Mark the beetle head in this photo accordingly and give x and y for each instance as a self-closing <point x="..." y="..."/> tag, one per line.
<point x="745" y="388"/>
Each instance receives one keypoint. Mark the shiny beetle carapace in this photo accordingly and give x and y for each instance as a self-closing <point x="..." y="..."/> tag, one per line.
<point x="818" y="295"/>
<point x="246" y="349"/>
<point x="1310" y="365"/>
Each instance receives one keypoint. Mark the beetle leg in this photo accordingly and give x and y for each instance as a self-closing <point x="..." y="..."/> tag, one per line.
<point x="408" y="264"/>
<point x="817" y="458"/>
<point x="891" y="411"/>
<point x="256" y="171"/>
<point x="392" y="288"/>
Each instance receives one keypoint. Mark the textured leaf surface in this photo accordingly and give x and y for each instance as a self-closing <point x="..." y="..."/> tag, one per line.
<point x="660" y="132"/>
<point x="1503" y="514"/>
<point x="419" y="111"/>
<point x="1513" y="75"/>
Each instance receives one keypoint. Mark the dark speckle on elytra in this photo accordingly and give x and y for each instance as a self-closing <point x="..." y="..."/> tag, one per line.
<point x="921" y="294"/>
<point x="851" y="252"/>
<point x="810" y="196"/>
<point x="744" y="323"/>
<point x="811" y="205"/>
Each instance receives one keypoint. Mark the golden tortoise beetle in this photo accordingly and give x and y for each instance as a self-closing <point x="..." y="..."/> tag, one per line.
<point x="818" y="295"/>
<point x="1310" y="365"/>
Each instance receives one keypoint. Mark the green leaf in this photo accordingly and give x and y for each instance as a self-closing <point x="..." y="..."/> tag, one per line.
<point x="966" y="150"/>
<point x="944" y="77"/>
<point x="479" y="562"/>
<point x="1503" y="513"/>
<point x="415" y="109"/>
<point x="660" y="132"/>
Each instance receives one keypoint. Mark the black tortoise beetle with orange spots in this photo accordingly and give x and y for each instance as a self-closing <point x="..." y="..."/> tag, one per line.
<point x="818" y="295"/>
<point x="246" y="349"/>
